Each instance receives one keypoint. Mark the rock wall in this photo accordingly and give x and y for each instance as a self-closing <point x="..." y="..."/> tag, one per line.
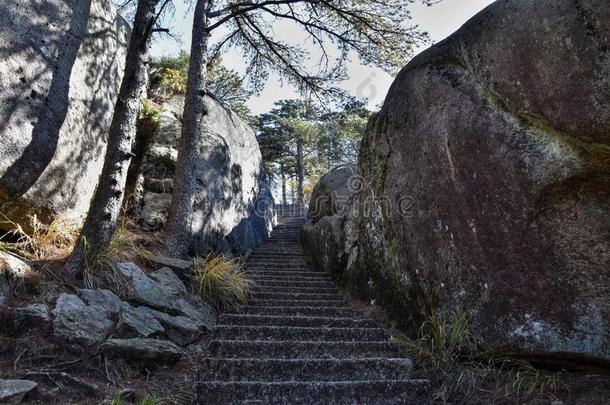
<point x="61" y="65"/>
<point x="322" y="236"/>
<point x="486" y="181"/>
<point x="234" y="207"/>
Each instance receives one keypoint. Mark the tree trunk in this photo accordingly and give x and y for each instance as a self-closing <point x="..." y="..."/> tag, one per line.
<point x="300" y="173"/>
<point x="179" y="223"/>
<point x="105" y="208"/>
<point x="284" y="197"/>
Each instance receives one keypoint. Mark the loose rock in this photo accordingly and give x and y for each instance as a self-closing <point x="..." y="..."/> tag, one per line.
<point x="182" y="268"/>
<point x="146" y="291"/>
<point x="78" y="323"/>
<point x="169" y="280"/>
<point x="179" y="329"/>
<point x="104" y="299"/>
<point x="147" y="350"/>
<point x="13" y="267"/>
<point x="137" y="322"/>
<point x="200" y="312"/>
<point x="30" y="317"/>
<point x="13" y="391"/>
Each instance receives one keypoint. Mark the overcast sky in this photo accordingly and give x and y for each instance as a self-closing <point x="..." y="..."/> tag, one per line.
<point x="439" y="21"/>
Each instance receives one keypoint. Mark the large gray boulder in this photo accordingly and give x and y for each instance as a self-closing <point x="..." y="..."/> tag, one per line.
<point x="234" y="208"/>
<point x="61" y="65"/>
<point x="322" y="235"/>
<point x="487" y="182"/>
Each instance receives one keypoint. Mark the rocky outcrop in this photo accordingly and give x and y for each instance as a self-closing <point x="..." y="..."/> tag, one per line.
<point x="98" y="314"/>
<point x="486" y="182"/>
<point x="61" y="65"/>
<point x="234" y="208"/>
<point x="322" y="236"/>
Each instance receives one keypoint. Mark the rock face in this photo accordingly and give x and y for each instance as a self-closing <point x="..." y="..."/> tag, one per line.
<point x="61" y="65"/>
<point x="487" y="181"/>
<point x="322" y="235"/>
<point x="234" y="209"/>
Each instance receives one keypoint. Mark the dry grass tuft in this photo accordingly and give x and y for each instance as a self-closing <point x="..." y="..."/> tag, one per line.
<point x="128" y="244"/>
<point x="445" y="356"/>
<point x="222" y="282"/>
<point x="41" y="242"/>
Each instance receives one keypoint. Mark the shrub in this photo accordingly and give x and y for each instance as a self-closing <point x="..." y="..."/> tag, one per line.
<point x="222" y="282"/>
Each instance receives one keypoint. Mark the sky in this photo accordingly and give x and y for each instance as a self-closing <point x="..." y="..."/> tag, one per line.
<point x="439" y="20"/>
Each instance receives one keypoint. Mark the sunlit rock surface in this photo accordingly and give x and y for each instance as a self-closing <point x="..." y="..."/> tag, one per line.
<point x="61" y="65"/>
<point x="234" y="208"/>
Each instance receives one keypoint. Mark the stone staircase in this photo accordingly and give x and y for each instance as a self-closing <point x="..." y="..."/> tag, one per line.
<point x="298" y="341"/>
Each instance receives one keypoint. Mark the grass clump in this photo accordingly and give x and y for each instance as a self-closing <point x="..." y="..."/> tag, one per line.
<point x="128" y="244"/>
<point x="222" y="282"/>
<point x="147" y="400"/>
<point x="38" y="241"/>
<point x="446" y="355"/>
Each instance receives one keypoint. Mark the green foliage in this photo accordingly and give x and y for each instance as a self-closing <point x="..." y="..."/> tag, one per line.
<point x="329" y="138"/>
<point x="169" y="77"/>
<point x="150" y="112"/>
<point x="222" y="282"/>
<point x="147" y="400"/>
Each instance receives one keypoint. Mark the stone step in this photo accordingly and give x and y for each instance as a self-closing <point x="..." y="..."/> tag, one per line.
<point x="298" y="303"/>
<point x="295" y="296"/>
<point x="296" y="311"/>
<point x="304" y="349"/>
<point x="283" y="277"/>
<point x="278" y="252"/>
<point x="225" y="332"/>
<point x="297" y="321"/>
<point x="272" y="282"/>
<point x="413" y="392"/>
<point x="282" y="274"/>
<point x="282" y="289"/>
<point x="282" y="267"/>
<point x="229" y="369"/>
<point x="279" y="266"/>
<point x="278" y="261"/>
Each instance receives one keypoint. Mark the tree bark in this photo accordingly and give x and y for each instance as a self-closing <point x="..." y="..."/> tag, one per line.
<point x="300" y="173"/>
<point x="284" y="197"/>
<point x="105" y="208"/>
<point x="178" y="228"/>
